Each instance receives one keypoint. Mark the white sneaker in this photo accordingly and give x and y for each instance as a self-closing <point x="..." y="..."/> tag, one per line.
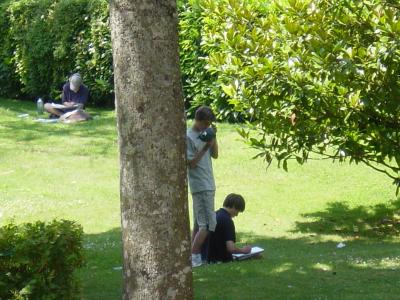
<point x="196" y="260"/>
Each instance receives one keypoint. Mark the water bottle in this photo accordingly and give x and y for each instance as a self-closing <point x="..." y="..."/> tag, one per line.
<point x="40" y="106"/>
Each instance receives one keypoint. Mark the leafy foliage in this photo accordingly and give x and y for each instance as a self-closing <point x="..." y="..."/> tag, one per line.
<point x="38" y="260"/>
<point x="32" y="43"/>
<point x="200" y="86"/>
<point x="332" y="64"/>
<point x="9" y="84"/>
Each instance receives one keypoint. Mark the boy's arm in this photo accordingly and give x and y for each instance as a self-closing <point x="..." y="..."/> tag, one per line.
<point x="195" y="160"/>
<point x="214" y="149"/>
<point x="64" y="94"/>
<point x="214" y="146"/>
<point x="193" y="157"/>
<point x="230" y="245"/>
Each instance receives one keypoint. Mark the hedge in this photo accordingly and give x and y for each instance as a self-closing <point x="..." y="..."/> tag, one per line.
<point x="9" y="82"/>
<point x="38" y="260"/>
<point x="200" y="86"/>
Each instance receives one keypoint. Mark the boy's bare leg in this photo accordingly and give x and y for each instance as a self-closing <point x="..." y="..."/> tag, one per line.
<point x="50" y="109"/>
<point x="198" y="241"/>
<point x="194" y="232"/>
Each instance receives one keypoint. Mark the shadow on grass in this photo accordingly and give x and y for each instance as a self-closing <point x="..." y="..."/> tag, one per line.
<point x="17" y="106"/>
<point x="22" y="130"/>
<point x="298" y="268"/>
<point x="381" y="220"/>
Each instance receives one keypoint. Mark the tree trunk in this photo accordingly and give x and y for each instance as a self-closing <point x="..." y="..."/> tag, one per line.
<point x="151" y="127"/>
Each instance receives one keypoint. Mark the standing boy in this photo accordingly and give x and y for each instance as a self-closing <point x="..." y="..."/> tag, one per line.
<point x="201" y="179"/>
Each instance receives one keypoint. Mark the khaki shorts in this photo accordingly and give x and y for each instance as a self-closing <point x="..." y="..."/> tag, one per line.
<point x="204" y="211"/>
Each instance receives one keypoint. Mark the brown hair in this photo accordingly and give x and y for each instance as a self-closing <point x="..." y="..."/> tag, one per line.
<point x="204" y="113"/>
<point x="235" y="201"/>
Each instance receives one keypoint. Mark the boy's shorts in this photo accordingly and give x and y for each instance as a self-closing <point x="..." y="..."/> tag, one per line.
<point x="203" y="210"/>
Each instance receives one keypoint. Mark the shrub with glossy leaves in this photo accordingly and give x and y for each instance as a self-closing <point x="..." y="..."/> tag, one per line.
<point x="314" y="76"/>
<point x="200" y="85"/>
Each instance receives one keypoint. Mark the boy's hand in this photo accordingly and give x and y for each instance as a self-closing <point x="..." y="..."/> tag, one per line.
<point x="211" y="143"/>
<point x="69" y="103"/>
<point x="246" y="249"/>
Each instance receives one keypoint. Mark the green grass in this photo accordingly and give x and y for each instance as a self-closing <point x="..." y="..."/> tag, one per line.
<point x="71" y="171"/>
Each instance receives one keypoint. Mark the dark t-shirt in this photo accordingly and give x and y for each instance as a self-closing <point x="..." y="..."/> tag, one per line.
<point x="225" y="231"/>
<point x="69" y="95"/>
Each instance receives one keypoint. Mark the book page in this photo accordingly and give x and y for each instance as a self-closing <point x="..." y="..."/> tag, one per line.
<point x="60" y="106"/>
<point x="254" y="251"/>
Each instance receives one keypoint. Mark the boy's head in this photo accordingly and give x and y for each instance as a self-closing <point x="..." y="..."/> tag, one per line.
<point x="203" y="118"/>
<point x="234" y="204"/>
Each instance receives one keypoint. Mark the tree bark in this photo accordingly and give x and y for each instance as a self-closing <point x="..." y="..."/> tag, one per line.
<point x="151" y="133"/>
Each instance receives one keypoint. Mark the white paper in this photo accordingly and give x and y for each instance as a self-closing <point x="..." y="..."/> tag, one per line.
<point x="254" y="251"/>
<point x="60" y="106"/>
<point x="47" y="120"/>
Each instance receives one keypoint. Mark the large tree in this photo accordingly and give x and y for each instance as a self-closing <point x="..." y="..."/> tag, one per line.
<point x="151" y="127"/>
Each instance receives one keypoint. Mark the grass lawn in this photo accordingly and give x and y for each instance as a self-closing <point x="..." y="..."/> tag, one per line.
<point x="71" y="171"/>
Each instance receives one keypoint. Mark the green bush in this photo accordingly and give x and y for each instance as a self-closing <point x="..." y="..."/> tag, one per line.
<point x="32" y="41"/>
<point x="9" y="83"/>
<point x="200" y="86"/>
<point x="38" y="260"/>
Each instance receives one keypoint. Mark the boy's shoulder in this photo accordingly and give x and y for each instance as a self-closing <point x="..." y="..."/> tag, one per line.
<point x="222" y="214"/>
<point x="191" y="133"/>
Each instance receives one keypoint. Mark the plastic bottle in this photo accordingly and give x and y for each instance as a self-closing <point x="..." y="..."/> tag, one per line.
<point x="40" y="106"/>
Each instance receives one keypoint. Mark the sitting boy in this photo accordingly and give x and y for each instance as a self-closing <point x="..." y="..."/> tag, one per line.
<point x="222" y="240"/>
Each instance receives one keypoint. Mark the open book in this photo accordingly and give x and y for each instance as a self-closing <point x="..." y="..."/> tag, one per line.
<point x="61" y="106"/>
<point x="254" y="251"/>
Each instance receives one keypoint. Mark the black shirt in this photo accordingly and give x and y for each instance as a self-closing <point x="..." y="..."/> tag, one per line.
<point x="225" y="231"/>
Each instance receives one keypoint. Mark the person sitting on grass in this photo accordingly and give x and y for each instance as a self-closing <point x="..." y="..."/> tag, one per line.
<point x="222" y="240"/>
<point x="75" y="95"/>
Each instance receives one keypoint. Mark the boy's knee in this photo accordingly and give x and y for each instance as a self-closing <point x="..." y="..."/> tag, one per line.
<point x="203" y="228"/>
<point x="48" y="107"/>
<point x="212" y="226"/>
